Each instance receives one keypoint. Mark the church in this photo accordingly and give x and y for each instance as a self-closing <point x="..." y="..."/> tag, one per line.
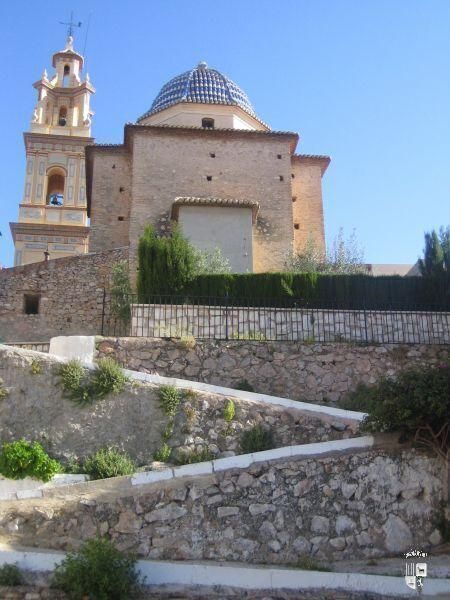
<point x="199" y="156"/>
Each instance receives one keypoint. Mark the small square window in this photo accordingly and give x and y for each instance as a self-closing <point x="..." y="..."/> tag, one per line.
<point x="209" y="177"/>
<point x="31" y="304"/>
<point x="212" y="154"/>
<point x="294" y="198"/>
<point x="121" y="189"/>
<point x="279" y="156"/>
<point x="208" y="123"/>
<point x="120" y="218"/>
<point x="296" y="226"/>
<point x="281" y="178"/>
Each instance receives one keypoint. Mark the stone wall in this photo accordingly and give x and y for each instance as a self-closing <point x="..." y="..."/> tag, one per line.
<point x="297" y="324"/>
<point x="312" y="373"/>
<point x="360" y="505"/>
<point x="70" y="296"/>
<point x="31" y="593"/>
<point x="35" y="408"/>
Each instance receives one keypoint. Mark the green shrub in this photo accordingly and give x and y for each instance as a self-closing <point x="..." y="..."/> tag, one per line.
<point x="163" y="453"/>
<point x="229" y="411"/>
<point x="84" y="387"/>
<point x="194" y="456"/>
<point x="415" y="403"/>
<point x="169" y="399"/>
<point x="168" y="430"/>
<point x="359" y="399"/>
<point x="74" y="381"/>
<point x="3" y="390"/>
<point x="120" y="292"/>
<point x="187" y="342"/>
<point x="244" y="386"/>
<point x="22" y="459"/>
<point x="10" y="575"/>
<point x="36" y="367"/>
<point x="98" y="571"/>
<point x="441" y="522"/>
<point x="306" y="563"/>
<point x="257" y="439"/>
<point x="108" y="378"/>
<point x="108" y="462"/>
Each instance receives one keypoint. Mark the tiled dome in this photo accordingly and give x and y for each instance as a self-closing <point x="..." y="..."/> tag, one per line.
<point x="201" y="85"/>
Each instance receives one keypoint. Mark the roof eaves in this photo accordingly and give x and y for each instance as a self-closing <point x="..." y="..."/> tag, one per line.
<point x="322" y="159"/>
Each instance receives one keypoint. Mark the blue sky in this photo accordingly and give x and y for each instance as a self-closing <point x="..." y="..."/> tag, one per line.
<point x="366" y="82"/>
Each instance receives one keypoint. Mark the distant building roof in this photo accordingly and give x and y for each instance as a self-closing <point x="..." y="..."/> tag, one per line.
<point x="393" y="269"/>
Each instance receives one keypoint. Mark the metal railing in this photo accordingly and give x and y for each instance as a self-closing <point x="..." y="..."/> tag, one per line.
<point x="284" y="320"/>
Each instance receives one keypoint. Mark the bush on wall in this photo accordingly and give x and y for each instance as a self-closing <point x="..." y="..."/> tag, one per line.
<point x="416" y="403"/>
<point x="83" y="387"/>
<point x="108" y="462"/>
<point x="24" y="459"/>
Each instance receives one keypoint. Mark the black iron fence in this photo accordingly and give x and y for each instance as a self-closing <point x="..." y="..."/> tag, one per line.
<point x="288" y="319"/>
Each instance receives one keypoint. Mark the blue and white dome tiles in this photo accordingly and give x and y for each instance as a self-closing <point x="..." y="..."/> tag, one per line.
<point x="201" y="85"/>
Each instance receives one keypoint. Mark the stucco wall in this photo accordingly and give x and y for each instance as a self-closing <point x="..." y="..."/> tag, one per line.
<point x="230" y="230"/>
<point x="70" y="296"/>
<point x="306" y="372"/>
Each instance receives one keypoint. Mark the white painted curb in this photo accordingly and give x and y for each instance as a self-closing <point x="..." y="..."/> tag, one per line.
<point x="242" y="576"/>
<point x="11" y="489"/>
<point x="243" y="461"/>
<point x="318" y="409"/>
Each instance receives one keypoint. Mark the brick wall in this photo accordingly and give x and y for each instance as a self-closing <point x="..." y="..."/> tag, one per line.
<point x="307" y="208"/>
<point x="111" y="186"/>
<point x="70" y="292"/>
<point x="165" y="163"/>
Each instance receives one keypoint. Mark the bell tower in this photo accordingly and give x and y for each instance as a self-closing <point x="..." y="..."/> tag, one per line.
<point x="52" y="214"/>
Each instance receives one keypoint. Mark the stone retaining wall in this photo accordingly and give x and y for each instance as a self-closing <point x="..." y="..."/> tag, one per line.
<point x="69" y="292"/>
<point x="35" y="408"/>
<point x="30" y="593"/>
<point x="366" y="504"/>
<point x="312" y="373"/>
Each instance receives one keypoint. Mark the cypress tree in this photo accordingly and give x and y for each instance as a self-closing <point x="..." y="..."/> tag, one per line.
<point x="166" y="264"/>
<point x="432" y="263"/>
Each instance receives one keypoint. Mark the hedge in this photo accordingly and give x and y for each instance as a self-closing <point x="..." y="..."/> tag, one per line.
<point x="321" y="291"/>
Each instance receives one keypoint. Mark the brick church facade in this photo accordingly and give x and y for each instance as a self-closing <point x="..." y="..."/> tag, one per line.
<point x="199" y="156"/>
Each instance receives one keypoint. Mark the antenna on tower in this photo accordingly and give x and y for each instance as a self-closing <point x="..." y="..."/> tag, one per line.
<point x="70" y="24"/>
<point x="86" y="37"/>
